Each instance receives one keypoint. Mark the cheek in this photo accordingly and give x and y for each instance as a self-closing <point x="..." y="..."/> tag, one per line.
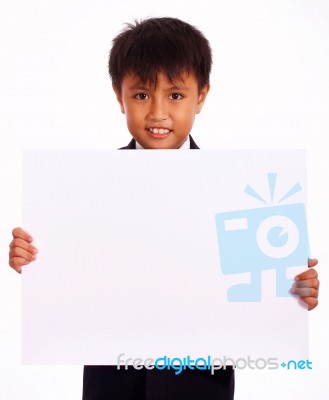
<point x="187" y="113"/>
<point x="187" y="118"/>
<point x="134" y="118"/>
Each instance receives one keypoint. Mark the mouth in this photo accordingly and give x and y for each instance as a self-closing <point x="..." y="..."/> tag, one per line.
<point x="158" y="133"/>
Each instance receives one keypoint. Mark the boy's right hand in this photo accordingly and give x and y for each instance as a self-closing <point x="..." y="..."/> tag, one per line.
<point x="21" y="251"/>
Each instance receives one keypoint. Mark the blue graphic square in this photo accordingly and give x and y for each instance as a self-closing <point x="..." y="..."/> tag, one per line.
<point x="254" y="240"/>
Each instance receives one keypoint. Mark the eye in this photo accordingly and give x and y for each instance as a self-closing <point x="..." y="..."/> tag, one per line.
<point x="141" y="96"/>
<point x="176" y="96"/>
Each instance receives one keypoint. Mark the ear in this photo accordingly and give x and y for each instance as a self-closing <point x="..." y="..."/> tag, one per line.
<point x="202" y="97"/>
<point x="119" y="97"/>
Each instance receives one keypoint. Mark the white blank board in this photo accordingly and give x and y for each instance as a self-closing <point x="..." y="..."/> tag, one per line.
<point x="129" y="260"/>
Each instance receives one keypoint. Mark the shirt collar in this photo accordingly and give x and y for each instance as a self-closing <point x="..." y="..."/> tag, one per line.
<point x="185" y="146"/>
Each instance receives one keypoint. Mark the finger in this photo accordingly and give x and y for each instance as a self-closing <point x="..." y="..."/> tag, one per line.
<point x="312" y="262"/>
<point x="19" y="252"/>
<point x="308" y="283"/>
<point x="17" y="263"/>
<point x="311" y="302"/>
<point x="305" y="292"/>
<point x="24" y="245"/>
<point x="309" y="274"/>
<point x="21" y="234"/>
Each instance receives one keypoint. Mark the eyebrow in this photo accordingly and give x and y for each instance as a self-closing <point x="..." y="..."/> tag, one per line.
<point x="140" y="87"/>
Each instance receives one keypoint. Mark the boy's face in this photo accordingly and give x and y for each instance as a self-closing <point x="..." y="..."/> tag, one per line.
<point x="161" y="117"/>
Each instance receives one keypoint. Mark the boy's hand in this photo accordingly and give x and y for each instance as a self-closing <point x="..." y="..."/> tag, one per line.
<point x="21" y="250"/>
<point x="306" y="285"/>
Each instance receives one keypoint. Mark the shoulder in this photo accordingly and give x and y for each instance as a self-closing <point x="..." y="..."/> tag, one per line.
<point x="130" y="146"/>
<point x="193" y="145"/>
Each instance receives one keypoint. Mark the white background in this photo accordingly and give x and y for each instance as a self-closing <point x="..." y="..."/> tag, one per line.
<point x="270" y="89"/>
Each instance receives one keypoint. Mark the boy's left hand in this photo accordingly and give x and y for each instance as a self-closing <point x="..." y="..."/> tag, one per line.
<point x="306" y="285"/>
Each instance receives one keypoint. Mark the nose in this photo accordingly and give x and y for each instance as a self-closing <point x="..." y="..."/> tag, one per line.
<point x="158" y="110"/>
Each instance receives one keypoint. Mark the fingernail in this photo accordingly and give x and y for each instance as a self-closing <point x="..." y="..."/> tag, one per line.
<point x="34" y="251"/>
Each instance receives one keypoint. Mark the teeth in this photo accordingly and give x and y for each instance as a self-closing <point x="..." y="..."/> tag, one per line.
<point x="161" y="131"/>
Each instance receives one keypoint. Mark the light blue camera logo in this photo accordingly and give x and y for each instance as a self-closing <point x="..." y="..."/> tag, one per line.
<point x="273" y="237"/>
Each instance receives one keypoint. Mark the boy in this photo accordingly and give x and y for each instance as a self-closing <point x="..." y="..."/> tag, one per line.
<point x="160" y="71"/>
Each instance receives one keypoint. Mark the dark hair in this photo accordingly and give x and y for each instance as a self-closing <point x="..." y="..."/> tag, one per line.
<point x="154" y="45"/>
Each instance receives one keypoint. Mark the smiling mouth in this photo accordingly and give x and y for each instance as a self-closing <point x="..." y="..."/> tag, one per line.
<point x="159" y="131"/>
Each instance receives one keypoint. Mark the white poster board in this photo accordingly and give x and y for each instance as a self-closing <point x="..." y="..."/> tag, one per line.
<point x="132" y="253"/>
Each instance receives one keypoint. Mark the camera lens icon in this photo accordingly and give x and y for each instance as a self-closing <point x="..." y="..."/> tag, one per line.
<point x="277" y="236"/>
<point x="259" y="239"/>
